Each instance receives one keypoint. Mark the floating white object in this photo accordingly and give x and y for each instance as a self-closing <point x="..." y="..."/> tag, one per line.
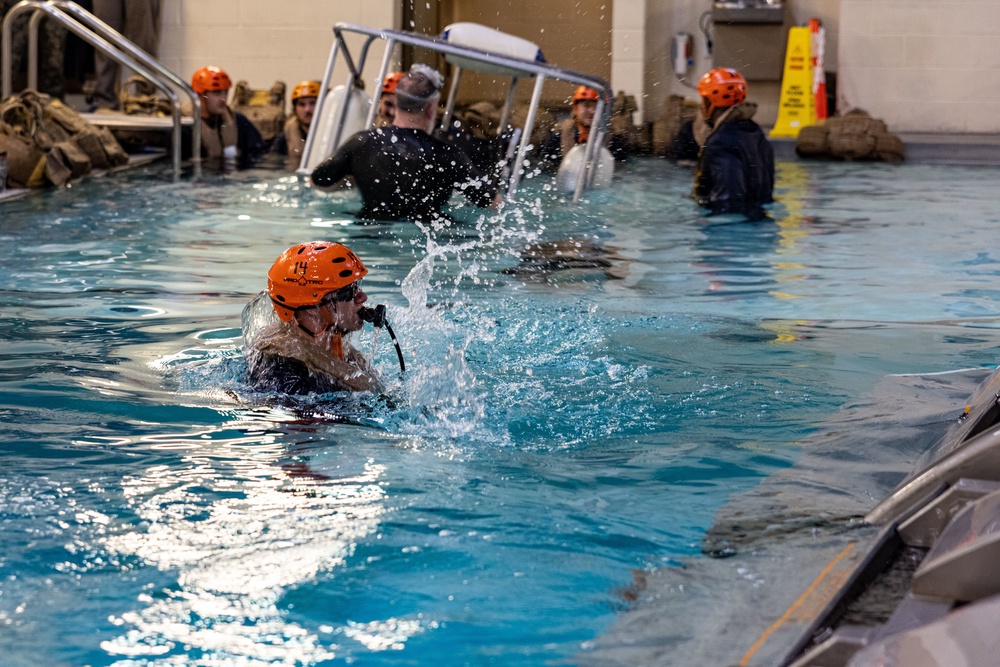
<point x="484" y="38"/>
<point x="569" y="168"/>
<point x="357" y="115"/>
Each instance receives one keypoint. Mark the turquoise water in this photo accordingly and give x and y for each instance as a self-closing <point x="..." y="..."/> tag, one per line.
<point x="553" y="433"/>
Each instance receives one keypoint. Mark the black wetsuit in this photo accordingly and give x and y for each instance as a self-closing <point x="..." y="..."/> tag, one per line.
<point x="404" y="174"/>
<point x="736" y="170"/>
<point x="285" y="375"/>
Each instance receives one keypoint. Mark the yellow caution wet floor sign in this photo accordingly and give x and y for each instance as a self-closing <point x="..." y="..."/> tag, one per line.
<point x="797" y="107"/>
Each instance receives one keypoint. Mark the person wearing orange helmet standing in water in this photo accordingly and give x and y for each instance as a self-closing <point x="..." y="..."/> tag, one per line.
<point x="387" y="100"/>
<point x="576" y="130"/>
<point x="736" y="162"/>
<point x="292" y="141"/>
<point x="226" y="136"/>
<point x="296" y="331"/>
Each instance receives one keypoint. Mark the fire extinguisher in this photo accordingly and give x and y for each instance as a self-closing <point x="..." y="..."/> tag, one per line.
<point x="682" y="54"/>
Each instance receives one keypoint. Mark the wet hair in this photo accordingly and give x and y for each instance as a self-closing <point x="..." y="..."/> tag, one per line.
<point x="417" y="88"/>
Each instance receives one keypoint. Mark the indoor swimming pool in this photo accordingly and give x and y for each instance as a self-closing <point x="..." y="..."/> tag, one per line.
<point x="562" y="427"/>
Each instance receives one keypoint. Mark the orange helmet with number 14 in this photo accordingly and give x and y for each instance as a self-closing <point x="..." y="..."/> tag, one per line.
<point x="307" y="272"/>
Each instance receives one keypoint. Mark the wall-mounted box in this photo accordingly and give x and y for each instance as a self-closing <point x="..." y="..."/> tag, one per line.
<point x="751" y="38"/>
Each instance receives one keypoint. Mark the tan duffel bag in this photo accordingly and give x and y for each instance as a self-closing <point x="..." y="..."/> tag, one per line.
<point x="25" y="161"/>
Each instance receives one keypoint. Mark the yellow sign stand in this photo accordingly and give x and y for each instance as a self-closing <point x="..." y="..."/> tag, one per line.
<point x="797" y="107"/>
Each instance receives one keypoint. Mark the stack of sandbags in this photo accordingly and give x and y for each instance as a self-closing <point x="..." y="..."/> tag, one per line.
<point x="264" y="108"/>
<point x="677" y="111"/>
<point x="545" y="121"/>
<point x="853" y="136"/>
<point x="623" y="129"/>
<point x="48" y="143"/>
<point x="481" y="119"/>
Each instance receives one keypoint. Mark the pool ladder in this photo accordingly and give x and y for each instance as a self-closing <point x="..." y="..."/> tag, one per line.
<point x="114" y="45"/>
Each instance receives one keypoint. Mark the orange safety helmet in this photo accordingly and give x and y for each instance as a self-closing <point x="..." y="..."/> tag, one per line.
<point x="307" y="272"/>
<point x="722" y="87"/>
<point x="585" y="94"/>
<point x="389" y="85"/>
<point x="305" y="89"/>
<point x="210" y="78"/>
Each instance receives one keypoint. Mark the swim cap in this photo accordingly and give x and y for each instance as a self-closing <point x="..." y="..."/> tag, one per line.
<point x="305" y="89"/>
<point x="389" y="85"/>
<point x="585" y="94"/>
<point x="210" y="78"/>
<point x="307" y="272"/>
<point x="417" y="88"/>
<point x="722" y="87"/>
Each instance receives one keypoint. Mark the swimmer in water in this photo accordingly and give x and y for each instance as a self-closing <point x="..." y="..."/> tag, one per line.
<point x="295" y="331"/>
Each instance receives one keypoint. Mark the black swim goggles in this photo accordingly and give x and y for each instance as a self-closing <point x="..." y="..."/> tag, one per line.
<point x="348" y="293"/>
<point x="343" y="294"/>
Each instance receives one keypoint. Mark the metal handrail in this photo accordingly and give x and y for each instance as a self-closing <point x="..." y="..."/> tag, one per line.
<point x="114" y="45"/>
<point x="519" y="68"/>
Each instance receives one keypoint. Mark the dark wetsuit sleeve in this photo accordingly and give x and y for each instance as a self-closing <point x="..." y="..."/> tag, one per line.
<point x="280" y="145"/>
<point x="550" y="152"/>
<point x="338" y="166"/>
<point x="249" y="143"/>
<point x="476" y="187"/>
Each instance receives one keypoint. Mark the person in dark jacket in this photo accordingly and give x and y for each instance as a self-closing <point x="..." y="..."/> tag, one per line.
<point x="736" y="163"/>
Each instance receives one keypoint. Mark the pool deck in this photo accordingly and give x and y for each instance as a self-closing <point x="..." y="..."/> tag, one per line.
<point x="930" y="148"/>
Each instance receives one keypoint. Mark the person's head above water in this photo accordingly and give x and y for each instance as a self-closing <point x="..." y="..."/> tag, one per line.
<point x="585" y="105"/>
<point x="418" y="88"/>
<point x="387" y="101"/>
<point x="721" y="88"/>
<point x="317" y="285"/>
<point x="212" y="85"/>
<point x="304" y="97"/>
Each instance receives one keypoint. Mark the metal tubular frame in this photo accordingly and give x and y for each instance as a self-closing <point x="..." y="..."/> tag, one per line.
<point x="517" y="67"/>
<point x="115" y="46"/>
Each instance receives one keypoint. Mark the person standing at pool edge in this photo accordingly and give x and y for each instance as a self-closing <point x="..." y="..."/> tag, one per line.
<point x="402" y="171"/>
<point x="736" y="163"/>
<point x="295" y="331"/>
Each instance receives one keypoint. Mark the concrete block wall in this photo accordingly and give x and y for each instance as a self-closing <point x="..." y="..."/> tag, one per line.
<point x="262" y="41"/>
<point x="922" y="66"/>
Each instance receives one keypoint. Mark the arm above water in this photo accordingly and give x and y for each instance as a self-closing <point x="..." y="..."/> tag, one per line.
<point x="338" y="166"/>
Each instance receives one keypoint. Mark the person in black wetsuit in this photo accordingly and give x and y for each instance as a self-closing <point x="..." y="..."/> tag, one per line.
<point x="294" y="332"/>
<point x="403" y="172"/>
<point x="736" y="163"/>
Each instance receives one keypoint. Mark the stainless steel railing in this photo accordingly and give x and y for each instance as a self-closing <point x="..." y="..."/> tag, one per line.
<point x="112" y="44"/>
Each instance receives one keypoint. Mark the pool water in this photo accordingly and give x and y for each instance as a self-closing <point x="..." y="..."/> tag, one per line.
<point x="554" y="434"/>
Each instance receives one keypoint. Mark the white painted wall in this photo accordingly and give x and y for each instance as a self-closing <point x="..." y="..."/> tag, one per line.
<point x="262" y="41"/>
<point x="922" y="66"/>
